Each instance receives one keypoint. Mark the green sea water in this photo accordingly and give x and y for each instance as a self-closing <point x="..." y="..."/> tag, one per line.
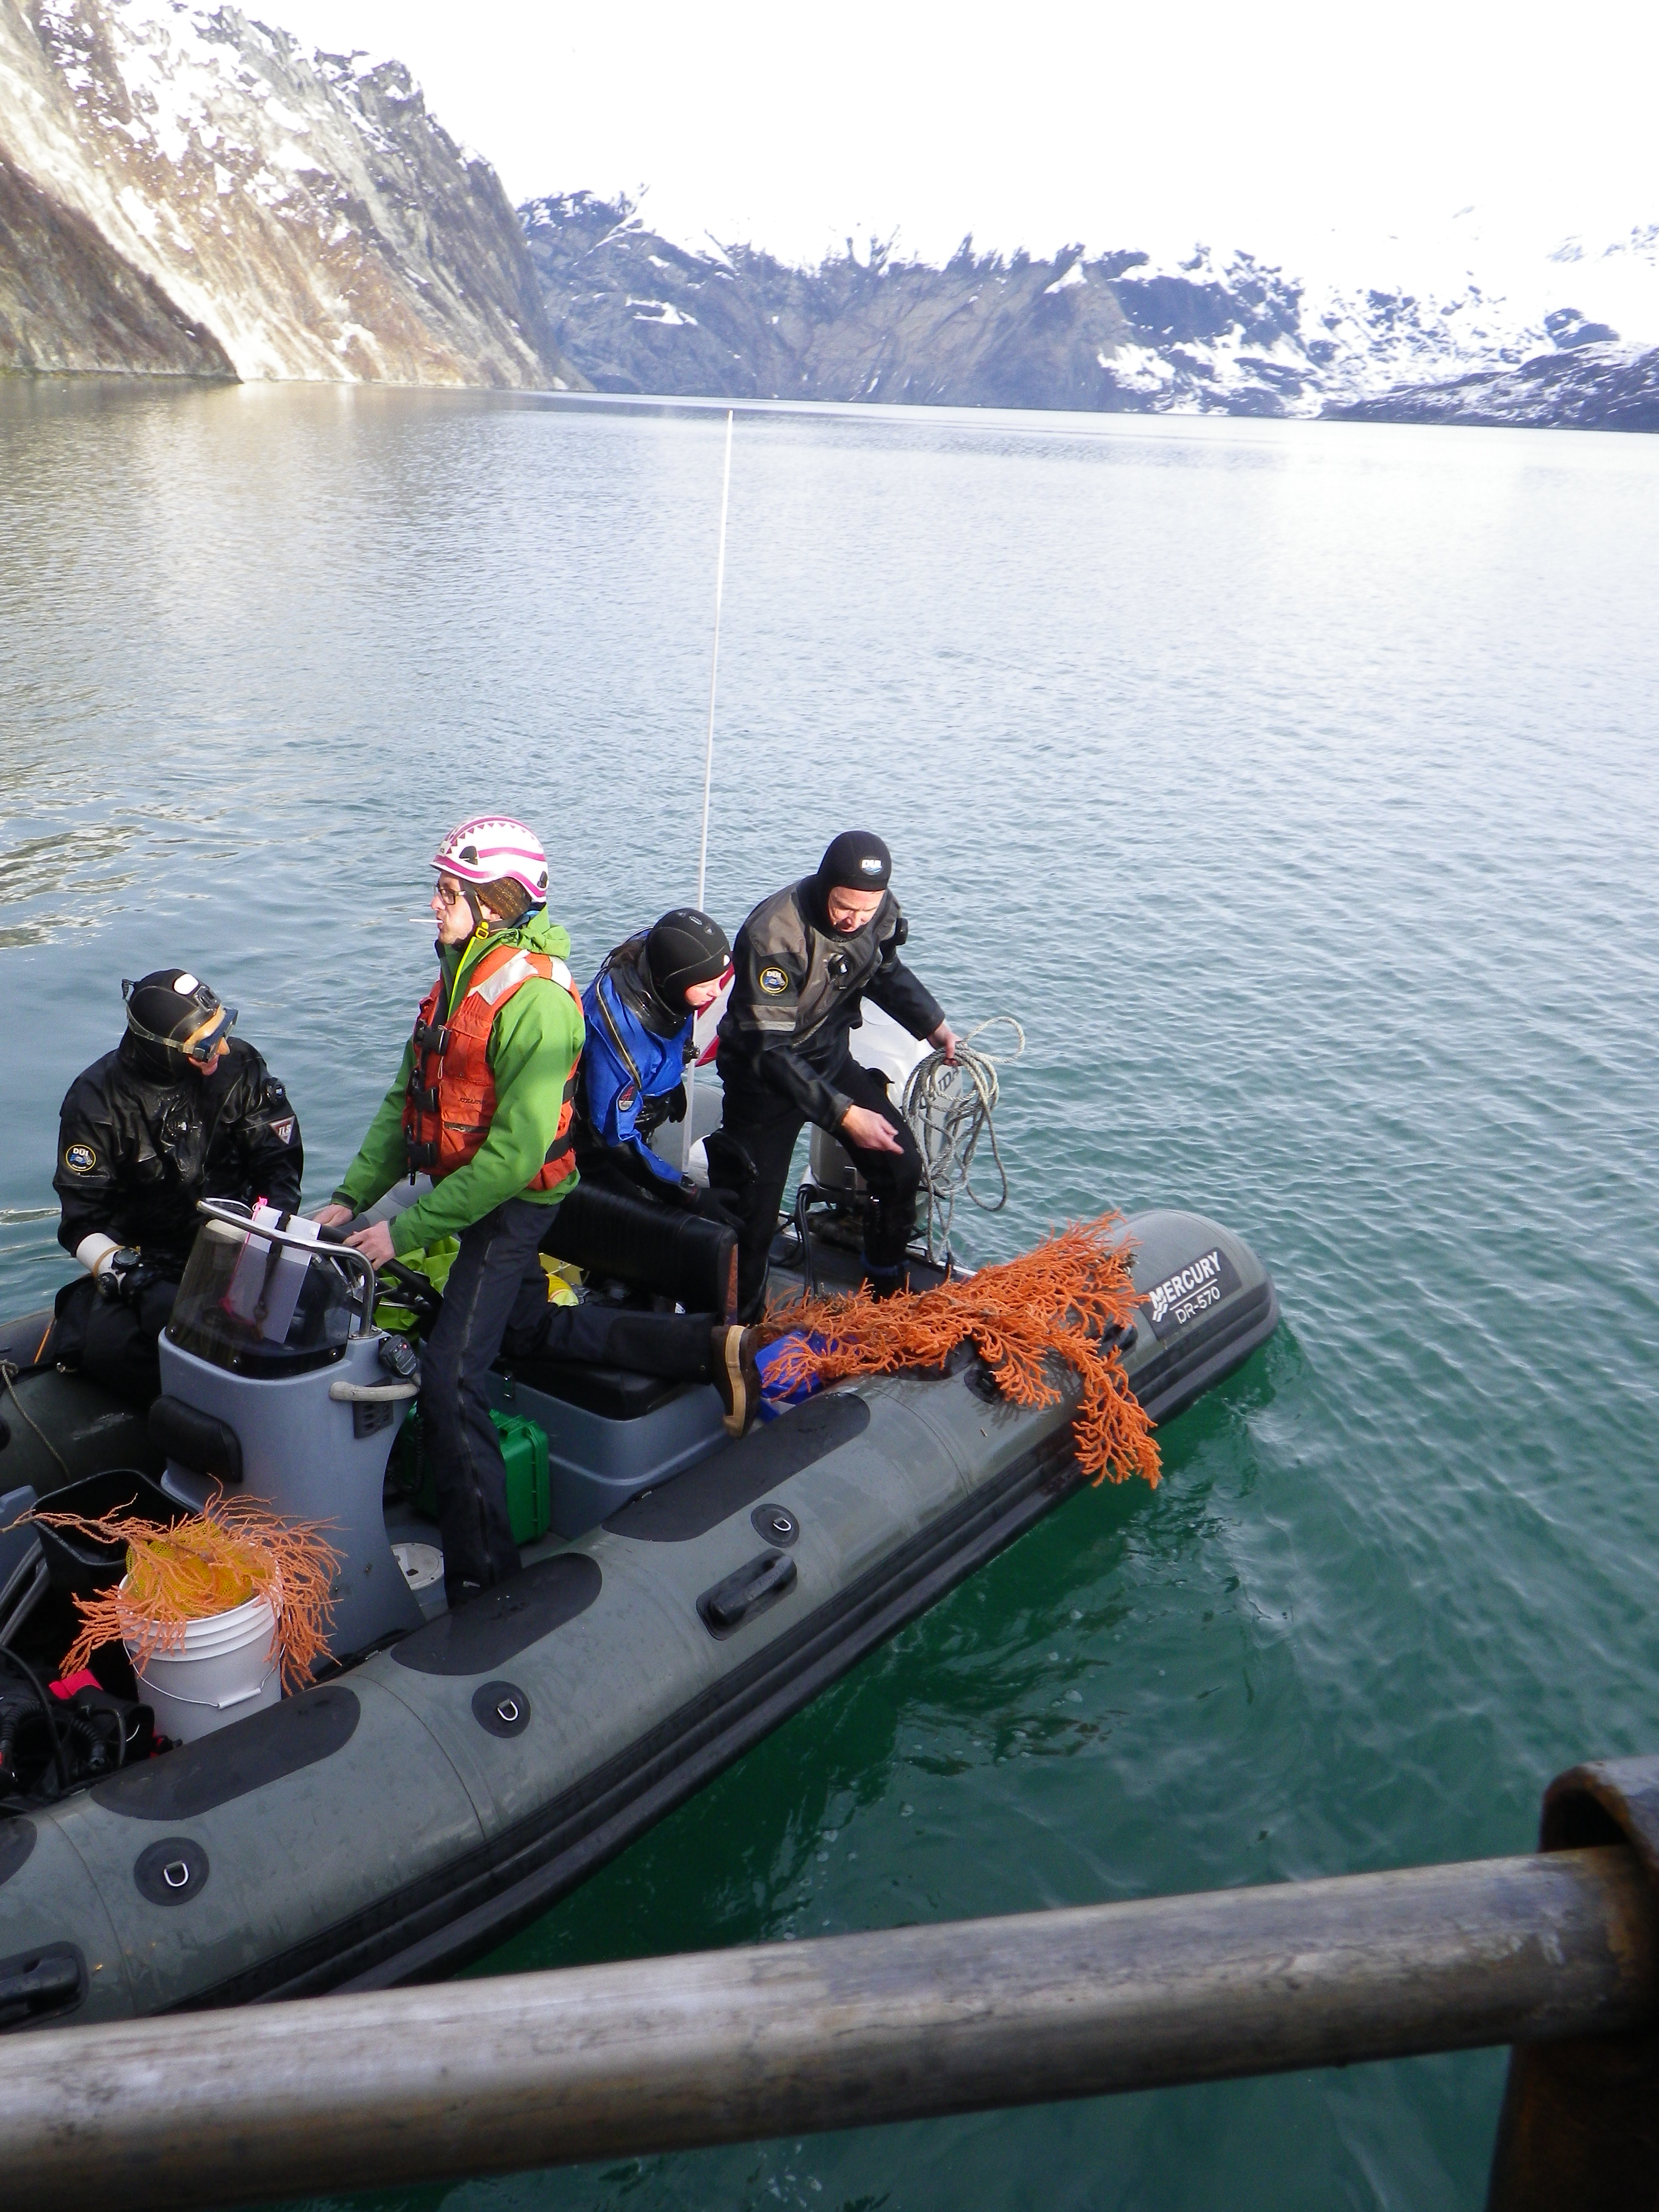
<point x="1294" y="785"/>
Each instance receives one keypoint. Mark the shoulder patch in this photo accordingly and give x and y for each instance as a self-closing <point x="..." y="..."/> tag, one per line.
<point x="627" y="1096"/>
<point x="284" y="1130"/>
<point x="773" y="980"/>
<point x="79" y="1160"/>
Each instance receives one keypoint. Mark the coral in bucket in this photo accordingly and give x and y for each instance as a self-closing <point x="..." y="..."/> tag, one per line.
<point x="205" y="1565"/>
<point x="1021" y="1315"/>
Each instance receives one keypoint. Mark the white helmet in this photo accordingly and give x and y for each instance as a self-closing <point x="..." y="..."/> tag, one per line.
<point x="493" y="847"/>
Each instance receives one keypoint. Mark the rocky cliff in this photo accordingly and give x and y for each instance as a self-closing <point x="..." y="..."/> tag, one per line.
<point x="640" y="314"/>
<point x="183" y="190"/>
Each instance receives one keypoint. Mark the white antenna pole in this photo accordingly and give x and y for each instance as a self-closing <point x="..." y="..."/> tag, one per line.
<point x="688" y="1125"/>
<point x="714" y="664"/>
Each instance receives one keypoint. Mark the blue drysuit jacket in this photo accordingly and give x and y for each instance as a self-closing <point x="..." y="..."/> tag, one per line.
<point x="612" y="1096"/>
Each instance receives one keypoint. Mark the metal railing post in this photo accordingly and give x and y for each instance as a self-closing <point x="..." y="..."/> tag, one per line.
<point x="1579" y="2129"/>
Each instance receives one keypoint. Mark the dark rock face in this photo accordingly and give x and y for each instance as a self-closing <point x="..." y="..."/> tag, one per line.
<point x="1591" y="386"/>
<point x="69" y="302"/>
<point x="638" y="314"/>
<point x="191" y="192"/>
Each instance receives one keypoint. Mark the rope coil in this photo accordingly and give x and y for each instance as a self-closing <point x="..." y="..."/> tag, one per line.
<point x="949" y="1110"/>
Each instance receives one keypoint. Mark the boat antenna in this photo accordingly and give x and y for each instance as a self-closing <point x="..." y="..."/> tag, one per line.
<point x="714" y="664"/>
<point x="688" y="1136"/>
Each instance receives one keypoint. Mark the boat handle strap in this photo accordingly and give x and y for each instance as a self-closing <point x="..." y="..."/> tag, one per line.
<point x="371" y="1394"/>
<point x="770" y="1576"/>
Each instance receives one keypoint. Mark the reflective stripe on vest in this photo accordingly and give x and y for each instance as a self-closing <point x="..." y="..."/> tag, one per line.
<point x="451" y="1099"/>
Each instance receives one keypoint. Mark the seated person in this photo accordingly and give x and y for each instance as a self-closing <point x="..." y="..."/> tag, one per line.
<point x="180" y="1110"/>
<point x="640" y="1012"/>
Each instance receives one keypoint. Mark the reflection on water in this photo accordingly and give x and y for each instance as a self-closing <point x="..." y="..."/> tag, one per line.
<point x="1293" y="785"/>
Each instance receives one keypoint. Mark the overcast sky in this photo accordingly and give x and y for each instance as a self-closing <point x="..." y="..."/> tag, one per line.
<point x="1274" y="125"/>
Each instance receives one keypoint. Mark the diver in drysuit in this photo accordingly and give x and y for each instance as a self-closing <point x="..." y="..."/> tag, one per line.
<point x="180" y="1110"/>
<point x="640" y="1011"/>
<point x="804" y="960"/>
<point x="639" y="1014"/>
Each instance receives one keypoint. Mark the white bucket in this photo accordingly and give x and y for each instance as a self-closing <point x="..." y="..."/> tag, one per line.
<point x="224" y="1669"/>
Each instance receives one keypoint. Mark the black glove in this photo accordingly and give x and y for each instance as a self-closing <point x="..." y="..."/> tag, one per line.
<point x="666" y="1106"/>
<point x="135" y="1282"/>
<point x="686" y="1193"/>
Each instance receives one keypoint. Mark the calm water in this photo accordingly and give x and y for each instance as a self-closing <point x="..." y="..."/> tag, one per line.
<point x="1294" y="784"/>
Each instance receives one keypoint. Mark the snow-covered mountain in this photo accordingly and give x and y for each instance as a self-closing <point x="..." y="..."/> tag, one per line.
<point x="1203" y="332"/>
<point x="183" y="190"/>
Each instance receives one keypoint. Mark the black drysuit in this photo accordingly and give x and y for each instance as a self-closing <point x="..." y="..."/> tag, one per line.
<point x="140" y="1138"/>
<point x="785" y="1059"/>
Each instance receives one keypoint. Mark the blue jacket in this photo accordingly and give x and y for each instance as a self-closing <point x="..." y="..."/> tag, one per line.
<point x="612" y="1091"/>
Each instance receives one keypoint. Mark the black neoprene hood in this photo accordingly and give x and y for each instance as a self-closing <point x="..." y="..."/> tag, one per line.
<point x="163" y="1008"/>
<point x="684" y="948"/>
<point x="857" y="860"/>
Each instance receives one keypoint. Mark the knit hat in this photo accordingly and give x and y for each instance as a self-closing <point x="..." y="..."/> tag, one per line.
<point x="506" y="896"/>
<point x="857" y="860"/>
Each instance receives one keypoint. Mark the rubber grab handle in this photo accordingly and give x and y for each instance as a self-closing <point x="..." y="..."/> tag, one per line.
<point x="729" y="1603"/>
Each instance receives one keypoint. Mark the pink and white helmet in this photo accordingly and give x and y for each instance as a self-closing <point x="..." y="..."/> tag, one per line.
<point x="493" y="847"/>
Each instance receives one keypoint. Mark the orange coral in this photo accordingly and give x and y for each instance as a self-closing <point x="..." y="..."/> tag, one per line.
<point x="208" y="1563"/>
<point x="1021" y="1315"/>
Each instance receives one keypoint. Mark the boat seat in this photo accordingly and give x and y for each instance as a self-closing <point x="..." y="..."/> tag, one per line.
<point x="615" y="1392"/>
<point x="650" y="1246"/>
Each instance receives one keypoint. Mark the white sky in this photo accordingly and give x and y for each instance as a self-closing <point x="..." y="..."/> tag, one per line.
<point x="1284" y="126"/>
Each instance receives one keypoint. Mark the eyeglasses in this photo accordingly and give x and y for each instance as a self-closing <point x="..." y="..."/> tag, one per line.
<point x="457" y="897"/>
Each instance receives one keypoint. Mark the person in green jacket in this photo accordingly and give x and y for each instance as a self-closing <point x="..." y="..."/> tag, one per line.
<point x="482" y="1103"/>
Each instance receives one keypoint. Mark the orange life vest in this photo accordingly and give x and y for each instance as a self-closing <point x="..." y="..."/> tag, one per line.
<point x="451" y="1099"/>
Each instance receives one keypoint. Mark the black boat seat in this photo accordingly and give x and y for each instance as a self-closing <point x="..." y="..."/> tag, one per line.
<point x="615" y="1392"/>
<point x="650" y="1246"/>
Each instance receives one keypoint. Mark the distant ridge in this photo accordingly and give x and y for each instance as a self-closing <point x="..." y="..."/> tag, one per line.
<point x="1116" y="332"/>
<point x="1601" y="387"/>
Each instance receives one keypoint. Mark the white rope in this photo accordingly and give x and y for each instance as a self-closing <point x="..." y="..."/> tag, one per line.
<point x="715" y="664"/>
<point x="949" y="1110"/>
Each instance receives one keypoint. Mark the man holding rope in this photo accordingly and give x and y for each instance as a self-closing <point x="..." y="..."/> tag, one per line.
<point x="804" y="960"/>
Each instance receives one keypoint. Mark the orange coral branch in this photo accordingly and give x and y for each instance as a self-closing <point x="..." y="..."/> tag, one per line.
<point x="1024" y="1317"/>
<point x="205" y="1565"/>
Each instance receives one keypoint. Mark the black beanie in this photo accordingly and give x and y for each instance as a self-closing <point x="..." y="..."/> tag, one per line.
<point x="857" y="860"/>
<point x="685" y="947"/>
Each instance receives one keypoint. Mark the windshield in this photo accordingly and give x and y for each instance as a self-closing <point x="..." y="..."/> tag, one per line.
<point x="260" y="1308"/>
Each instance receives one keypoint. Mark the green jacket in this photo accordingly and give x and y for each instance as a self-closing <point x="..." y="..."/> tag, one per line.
<point x="533" y="1044"/>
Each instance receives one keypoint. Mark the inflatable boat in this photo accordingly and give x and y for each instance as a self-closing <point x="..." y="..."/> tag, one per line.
<point x="457" y="1773"/>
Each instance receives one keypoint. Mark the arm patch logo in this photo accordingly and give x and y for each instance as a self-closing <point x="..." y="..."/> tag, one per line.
<point x="627" y="1096"/>
<point x="79" y="1160"/>
<point x="773" y="980"/>
<point x="284" y="1130"/>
